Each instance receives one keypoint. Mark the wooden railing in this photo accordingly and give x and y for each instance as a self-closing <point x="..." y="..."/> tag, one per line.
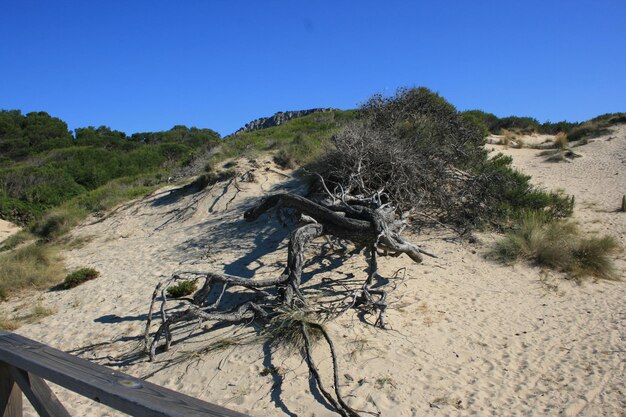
<point x="25" y="365"/>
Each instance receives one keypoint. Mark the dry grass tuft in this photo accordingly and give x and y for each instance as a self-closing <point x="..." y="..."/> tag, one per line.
<point x="285" y="328"/>
<point x="560" y="141"/>
<point x="32" y="315"/>
<point x="511" y="138"/>
<point x="558" y="245"/>
<point x="8" y="324"/>
<point x="32" y="266"/>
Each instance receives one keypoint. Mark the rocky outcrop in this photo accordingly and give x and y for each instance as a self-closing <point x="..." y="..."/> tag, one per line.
<point x="279" y="119"/>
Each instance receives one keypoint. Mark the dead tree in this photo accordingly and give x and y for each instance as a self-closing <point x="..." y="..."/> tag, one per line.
<point x="371" y="225"/>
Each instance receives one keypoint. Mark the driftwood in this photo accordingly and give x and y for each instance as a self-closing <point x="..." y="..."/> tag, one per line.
<point x="370" y="225"/>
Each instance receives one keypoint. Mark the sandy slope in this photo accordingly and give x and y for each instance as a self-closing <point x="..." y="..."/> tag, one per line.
<point x="468" y="338"/>
<point x="7" y="229"/>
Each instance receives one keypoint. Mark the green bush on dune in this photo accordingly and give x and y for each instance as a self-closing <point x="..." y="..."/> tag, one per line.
<point x="80" y="276"/>
<point x="428" y="156"/>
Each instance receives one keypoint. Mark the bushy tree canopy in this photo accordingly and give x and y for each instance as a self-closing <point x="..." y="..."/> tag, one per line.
<point x="421" y="153"/>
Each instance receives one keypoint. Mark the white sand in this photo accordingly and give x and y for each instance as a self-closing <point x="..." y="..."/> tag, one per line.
<point x="7" y="229"/>
<point x="469" y="338"/>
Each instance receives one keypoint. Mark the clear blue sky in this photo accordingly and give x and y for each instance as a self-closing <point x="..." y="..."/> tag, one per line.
<point x="148" y="65"/>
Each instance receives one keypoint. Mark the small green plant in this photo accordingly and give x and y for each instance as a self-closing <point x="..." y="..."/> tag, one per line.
<point x="384" y="381"/>
<point x="78" y="277"/>
<point x="182" y="289"/>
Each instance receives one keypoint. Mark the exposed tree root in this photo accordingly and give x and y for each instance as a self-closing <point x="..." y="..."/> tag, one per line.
<point x="366" y="222"/>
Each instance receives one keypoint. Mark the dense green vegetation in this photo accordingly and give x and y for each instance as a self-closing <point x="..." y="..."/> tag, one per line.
<point x="43" y="166"/>
<point x="429" y="157"/>
<point x="300" y="140"/>
<point x="490" y="123"/>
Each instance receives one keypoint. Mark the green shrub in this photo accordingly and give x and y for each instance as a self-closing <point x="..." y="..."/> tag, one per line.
<point x="478" y="120"/>
<point x="481" y="118"/>
<point x="182" y="289"/>
<point x="78" y="277"/>
<point x="510" y="194"/>
<point x="426" y="155"/>
<point x="18" y="211"/>
<point x="558" y="127"/>
<point x="524" y="125"/>
<point x="32" y="266"/>
<point x="597" y="126"/>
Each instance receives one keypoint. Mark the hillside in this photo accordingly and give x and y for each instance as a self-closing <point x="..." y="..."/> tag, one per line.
<point x="473" y="337"/>
<point x="43" y="165"/>
<point x="278" y="119"/>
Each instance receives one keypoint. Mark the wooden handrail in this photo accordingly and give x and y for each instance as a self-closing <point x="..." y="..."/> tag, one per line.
<point x="25" y="363"/>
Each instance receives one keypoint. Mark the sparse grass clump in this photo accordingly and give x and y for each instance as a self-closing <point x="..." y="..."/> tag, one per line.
<point x="32" y="266"/>
<point x="209" y="178"/>
<point x="284" y="159"/>
<point x="25" y="315"/>
<point x="285" y="328"/>
<point x="78" y="277"/>
<point x="511" y="138"/>
<point x="557" y="245"/>
<point x="16" y="240"/>
<point x="182" y="289"/>
<point x="36" y="313"/>
<point x="560" y="141"/>
<point x="561" y="151"/>
<point x="591" y="257"/>
<point x="8" y="324"/>
<point x="57" y="222"/>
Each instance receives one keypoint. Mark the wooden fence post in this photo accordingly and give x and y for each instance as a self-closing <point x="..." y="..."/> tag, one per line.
<point x="10" y="394"/>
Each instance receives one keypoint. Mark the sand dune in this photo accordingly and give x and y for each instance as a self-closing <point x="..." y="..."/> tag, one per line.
<point x="7" y="229"/>
<point x="468" y="337"/>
